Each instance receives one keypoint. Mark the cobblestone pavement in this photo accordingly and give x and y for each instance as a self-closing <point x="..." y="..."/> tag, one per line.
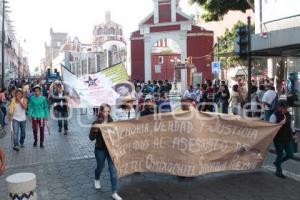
<point x="65" y="171"/>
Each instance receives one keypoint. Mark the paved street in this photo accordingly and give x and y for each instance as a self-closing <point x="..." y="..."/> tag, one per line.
<point x="65" y="170"/>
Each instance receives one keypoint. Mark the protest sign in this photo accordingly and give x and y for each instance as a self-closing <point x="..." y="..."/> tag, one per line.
<point x="188" y="143"/>
<point x="92" y="90"/>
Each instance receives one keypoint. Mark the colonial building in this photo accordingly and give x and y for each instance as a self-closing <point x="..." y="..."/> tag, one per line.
<point x="52" y="51"/>
<point x="15" y="61"/>
<point x="107" y="48"/>
<point x="174" y="32"/>
<point x="108" y="35"/>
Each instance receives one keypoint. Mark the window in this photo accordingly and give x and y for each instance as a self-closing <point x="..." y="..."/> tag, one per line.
<point x="160" y="59"/>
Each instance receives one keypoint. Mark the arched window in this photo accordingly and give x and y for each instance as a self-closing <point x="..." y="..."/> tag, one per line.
<point x="114" y="48"/>
<point x="112" y="31"/>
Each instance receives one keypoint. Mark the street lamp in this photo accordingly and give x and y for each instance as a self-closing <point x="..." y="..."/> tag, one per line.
<point x="175" y="62"/>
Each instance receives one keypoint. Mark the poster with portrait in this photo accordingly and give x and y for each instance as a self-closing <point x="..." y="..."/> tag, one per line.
<point x="93" y="90"/>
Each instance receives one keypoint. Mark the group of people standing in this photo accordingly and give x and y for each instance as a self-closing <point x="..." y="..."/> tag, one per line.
<point x="32" y="102"/>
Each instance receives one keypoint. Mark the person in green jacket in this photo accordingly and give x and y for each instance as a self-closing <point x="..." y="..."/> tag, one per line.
<point x="38" y="111"/>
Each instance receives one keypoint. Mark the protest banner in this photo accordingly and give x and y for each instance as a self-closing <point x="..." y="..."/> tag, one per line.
<point x="188" y="143"/>
<point x="92" y="90"/>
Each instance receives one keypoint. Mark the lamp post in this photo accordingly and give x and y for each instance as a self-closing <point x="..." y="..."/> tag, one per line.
<point x="175" y="62"/>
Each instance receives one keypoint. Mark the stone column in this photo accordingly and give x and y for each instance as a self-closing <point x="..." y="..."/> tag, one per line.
<point x="22" y="186"/>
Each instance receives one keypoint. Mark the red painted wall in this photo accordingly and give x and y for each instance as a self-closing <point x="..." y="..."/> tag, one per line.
<point x="164" y="28"/>
<point x="180" y="18"/>
<point x="201" y="48"/>
<point x="164" y="13"/>
<point x="167" y="71"/>
<point x="137" y="60"/>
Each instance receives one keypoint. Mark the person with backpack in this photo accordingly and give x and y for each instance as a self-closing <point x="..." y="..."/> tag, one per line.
<point x="269" y="101"/>
<point x="283" y="141"/>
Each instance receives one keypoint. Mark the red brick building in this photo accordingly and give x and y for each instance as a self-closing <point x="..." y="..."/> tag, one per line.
<point x="168" y="24"/>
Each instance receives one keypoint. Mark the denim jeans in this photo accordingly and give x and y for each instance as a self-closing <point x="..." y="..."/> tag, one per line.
<point x="2" y="119"/>
<point x="268" y="114"/>
<point x="17" y="125"/>
<point x="224" y="108"/>
<point x="101" y="155"/>
<point x="62" y="118"/>
<point x="280" y="148"/>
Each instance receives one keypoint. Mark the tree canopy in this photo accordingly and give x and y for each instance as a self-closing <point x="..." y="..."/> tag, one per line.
<point x="214" y="10"/>
<point x="225" y="50"/>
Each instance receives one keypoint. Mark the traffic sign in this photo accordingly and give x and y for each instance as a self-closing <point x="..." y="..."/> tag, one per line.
<point x="216" y="67"/>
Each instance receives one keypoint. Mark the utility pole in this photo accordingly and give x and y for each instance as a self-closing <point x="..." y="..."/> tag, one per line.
<point x="249" y="60"/>
<point x="3" y="43"/>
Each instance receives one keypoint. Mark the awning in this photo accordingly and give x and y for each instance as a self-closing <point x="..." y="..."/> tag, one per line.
<point x="285" y="42"/>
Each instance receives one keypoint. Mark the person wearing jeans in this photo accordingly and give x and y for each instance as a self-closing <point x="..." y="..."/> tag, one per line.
<point x="283" y="141"/>
<point x="61" y="109"/>
<point x="38" y="111"/>
<point x="17" y="113"/>
<point x="101" y="152"/>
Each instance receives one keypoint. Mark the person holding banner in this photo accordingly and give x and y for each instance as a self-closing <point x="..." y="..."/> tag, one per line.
<point x="101" y="152"/>
<point x="38" y="111"/>
<point x="17" y="114"/>
<point x="283" y="141"/>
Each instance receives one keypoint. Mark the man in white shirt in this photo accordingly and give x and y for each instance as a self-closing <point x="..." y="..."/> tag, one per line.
<point x="126" y="110"/>
<point x="269" y="100"/>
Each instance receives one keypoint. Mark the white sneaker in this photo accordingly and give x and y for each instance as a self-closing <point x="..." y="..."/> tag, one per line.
<point x="115" y="196"/>
<point x="97" y="184"/>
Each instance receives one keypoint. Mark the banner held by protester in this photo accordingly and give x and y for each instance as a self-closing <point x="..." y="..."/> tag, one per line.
<point x="188" y="143"/>
<point x="92" y="90"/>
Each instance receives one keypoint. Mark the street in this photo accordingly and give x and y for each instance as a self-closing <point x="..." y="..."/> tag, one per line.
<point x="65" y="170"/>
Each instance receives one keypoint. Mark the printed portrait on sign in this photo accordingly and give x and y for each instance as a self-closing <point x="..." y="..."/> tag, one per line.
<point x="125" y="90"/>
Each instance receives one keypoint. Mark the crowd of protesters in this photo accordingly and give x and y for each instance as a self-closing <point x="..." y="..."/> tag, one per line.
<point x="32" y="100"/>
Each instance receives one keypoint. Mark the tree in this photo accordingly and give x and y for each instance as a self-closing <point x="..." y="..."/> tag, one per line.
<point x="216" y="9"/>
<point x="225" y="51"/>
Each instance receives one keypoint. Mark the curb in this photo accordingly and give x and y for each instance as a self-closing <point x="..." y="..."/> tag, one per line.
<point x="296" y="157"/>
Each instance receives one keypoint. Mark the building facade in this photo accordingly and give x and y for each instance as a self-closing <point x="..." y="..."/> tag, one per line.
<point x="277" y="30"/>
<point x="106" y="49"/>
<point x="15" y="60"/>
<point x="52" y="51"/>
<point x="168" y="25"/>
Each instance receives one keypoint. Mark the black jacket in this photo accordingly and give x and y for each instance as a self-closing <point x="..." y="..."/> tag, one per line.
<point x="95" y="134"/>
<point x="147" y="111"/>
<point x="60" y="103"/>
<point x="285" y="133"/>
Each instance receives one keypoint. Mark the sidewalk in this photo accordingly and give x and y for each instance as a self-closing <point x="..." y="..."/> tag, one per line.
<point x="296" y="155"/>
<point x="73" y="180"/>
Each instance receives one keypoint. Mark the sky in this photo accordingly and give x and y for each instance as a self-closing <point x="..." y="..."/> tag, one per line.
<point x="34" y="18"/>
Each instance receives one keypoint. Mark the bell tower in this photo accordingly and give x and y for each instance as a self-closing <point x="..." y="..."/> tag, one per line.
<point x="165" y="11"/>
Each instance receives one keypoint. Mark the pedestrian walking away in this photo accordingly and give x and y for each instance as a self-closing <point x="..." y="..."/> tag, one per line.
<point x="38" y="111"/>
<point x="17" y="114"/>
<point x="101" y="152"/>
